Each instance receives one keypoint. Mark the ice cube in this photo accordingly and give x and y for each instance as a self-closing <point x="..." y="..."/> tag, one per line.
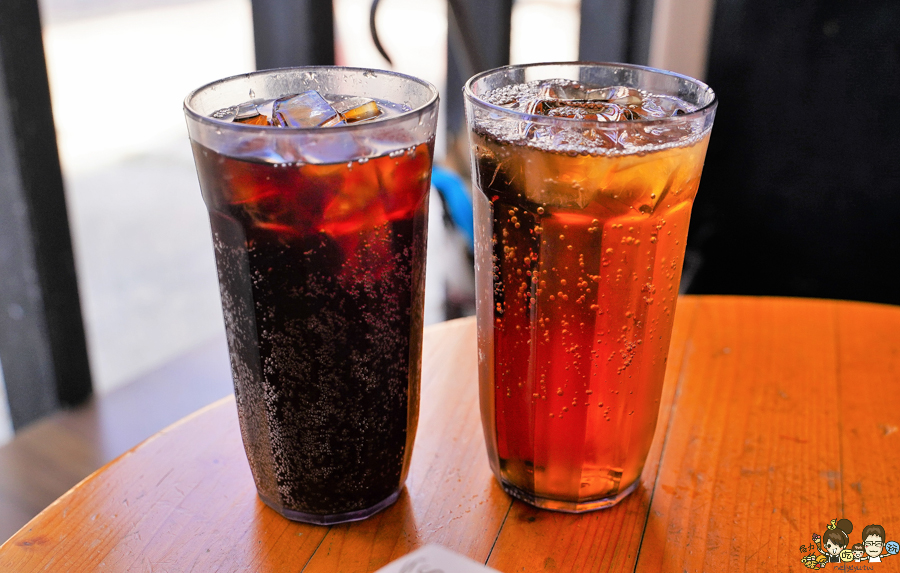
<point x="334" y="147"/>
<point x="632" y="183"/>
<point x="589" y="110"/>
<point x="259" y="148"/>
<point x="571" y="90"/>
<point x="356" y="109"/>
<point x="257" y="119"/>
<point x="657" y="106"/>
<point x="619" y="95"/>
<point x="308" y="109"/>
<point x="536" y="107"/>
<point x="566" y="98"/>
<point x="225" y="114"/>
<point x="247" y="110"/>
<point x="264" y="107"/>
<point x="554" y="179"/>
<point x="537" y="97"/>
<point x="570" y="111"/>
<point x="356" y="203"/>
<point x="254" y="112"/>
<point x="561" y="89"/>
<point x="613" y="112"/>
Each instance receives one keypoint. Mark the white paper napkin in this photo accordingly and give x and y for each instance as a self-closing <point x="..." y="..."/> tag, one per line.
<point x="434" y="559"/>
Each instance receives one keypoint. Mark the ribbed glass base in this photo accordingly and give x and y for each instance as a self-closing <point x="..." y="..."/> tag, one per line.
<point x="331" y="519"/>
<point x="567" y="506"/>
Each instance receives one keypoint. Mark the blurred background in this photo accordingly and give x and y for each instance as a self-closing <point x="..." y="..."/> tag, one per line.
<point x="800" y="194"/>
<point x="118" y="72"/>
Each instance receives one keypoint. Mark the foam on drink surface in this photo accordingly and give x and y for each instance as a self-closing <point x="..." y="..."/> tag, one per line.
<point x="626" y="119"/>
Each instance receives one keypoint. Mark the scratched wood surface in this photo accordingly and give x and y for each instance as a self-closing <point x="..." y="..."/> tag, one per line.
<point x="777" y="416"/>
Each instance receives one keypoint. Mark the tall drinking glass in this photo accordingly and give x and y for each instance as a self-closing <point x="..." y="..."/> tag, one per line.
<point x="319" y="236"/>
<point x="585" y="175"/>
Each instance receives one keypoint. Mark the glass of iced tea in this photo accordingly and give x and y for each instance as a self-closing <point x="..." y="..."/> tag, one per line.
<point x="584" y="179"/>
<point x="316" y="181"/>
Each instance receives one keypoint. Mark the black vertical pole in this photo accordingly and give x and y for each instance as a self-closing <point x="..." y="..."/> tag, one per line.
<point x="42" y="344"/>
<point x="615" y="31"/>
<point x="478" y="40"/>
<point x="293" y="33"/>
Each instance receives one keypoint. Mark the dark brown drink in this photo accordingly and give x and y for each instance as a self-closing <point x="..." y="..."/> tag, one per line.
<point x="320" y="238"/>
<point x="326" y="356"/>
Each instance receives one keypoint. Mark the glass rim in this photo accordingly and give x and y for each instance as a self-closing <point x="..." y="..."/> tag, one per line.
<point x="195" y="115"/>
<point x="470" y="95"/>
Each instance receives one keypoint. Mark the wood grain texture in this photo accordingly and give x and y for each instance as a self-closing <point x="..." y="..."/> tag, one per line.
<point x="778" y="416"/>
<point x="165" y="504"/>
<point x="869" y="419"/>
<point x="49" y="457"/>
<point x="751" y="466"/>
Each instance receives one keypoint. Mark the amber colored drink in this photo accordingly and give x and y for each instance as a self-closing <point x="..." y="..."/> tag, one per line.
<point x="578" y="258"/>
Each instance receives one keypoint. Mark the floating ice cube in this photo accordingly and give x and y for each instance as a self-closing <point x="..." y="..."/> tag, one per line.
<point x="566" y="98"/>
<point x="225" y="114"/>
<point x="254" y="112"/>
<point x="355" y="109"/>
<point x="613" y="112"/>
<point x="658" y="106"/>
<point x="589" y="110"/>
<point x="570" y="111"/>
<point x="560" y="89"/>
<point x="536" y="107"/>
<point x="264" y="107"/>
<point x="247" y="110"/>
<point x="308" y="109"/>
<point x="333" y="147"/>
<point x="259" y="113"/>
<point x="620" y="95"/>
<point x="259" y="148"/>
<point x="569" y="90"/>
<point x="257" y="119"/>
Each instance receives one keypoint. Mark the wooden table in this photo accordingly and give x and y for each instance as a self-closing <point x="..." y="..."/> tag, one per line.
<point x="778" y="415"/>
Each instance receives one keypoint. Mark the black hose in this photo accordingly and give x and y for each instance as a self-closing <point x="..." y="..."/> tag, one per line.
<point x="374" y="31"/>
<point x="462" y="39"/>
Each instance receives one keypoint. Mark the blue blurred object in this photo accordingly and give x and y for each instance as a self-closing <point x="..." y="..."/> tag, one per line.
<point x="456" y="200"/>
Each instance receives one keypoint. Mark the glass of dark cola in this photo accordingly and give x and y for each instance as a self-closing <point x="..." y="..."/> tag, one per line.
<point x="316" y="181"/>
